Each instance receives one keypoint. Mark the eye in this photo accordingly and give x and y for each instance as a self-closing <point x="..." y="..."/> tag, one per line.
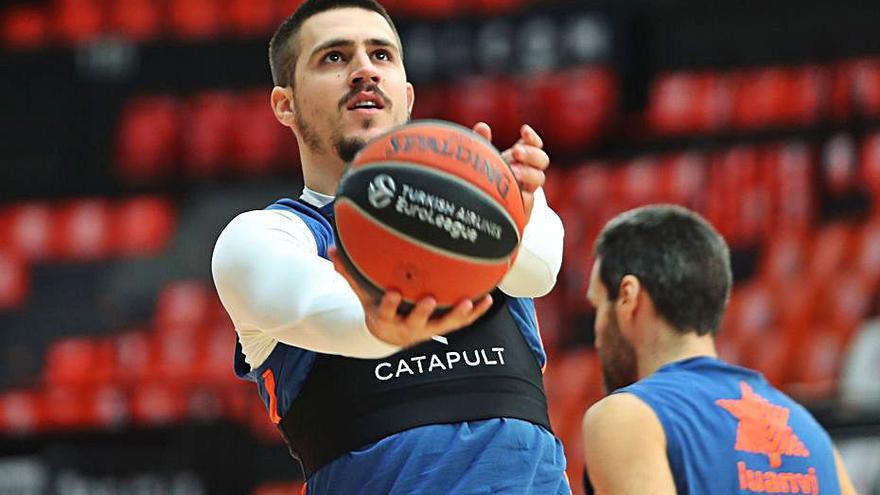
<point x="383" y="55"/>
<point x="333" y="57"/>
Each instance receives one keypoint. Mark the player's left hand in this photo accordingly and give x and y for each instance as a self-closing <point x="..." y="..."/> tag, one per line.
<point x="527" y="159"/>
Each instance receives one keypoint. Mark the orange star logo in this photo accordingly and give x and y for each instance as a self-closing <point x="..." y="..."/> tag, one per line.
<point x="763" y="427"/>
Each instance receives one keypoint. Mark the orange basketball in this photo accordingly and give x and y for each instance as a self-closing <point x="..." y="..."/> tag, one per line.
<point x="429" y="209"/>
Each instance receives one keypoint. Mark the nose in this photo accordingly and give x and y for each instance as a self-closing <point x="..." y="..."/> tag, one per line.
<point x="364" y="72"/>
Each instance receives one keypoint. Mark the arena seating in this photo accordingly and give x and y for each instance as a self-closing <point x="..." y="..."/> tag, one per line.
<point x="784" y="159"/>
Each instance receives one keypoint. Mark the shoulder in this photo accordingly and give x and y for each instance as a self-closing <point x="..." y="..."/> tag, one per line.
<point x="615" y="414"/>
<point x="262" y="221"/>
<point x="622" y="436"/>
<point x="254" y="235"/>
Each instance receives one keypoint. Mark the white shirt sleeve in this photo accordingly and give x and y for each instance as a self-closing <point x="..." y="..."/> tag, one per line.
<point x="276" y="288"/>
<point x="534" y="272"/>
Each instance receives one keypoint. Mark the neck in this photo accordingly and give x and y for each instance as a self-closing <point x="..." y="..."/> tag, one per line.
<point x="321" y="171"/>
<point x="669" y="346"/>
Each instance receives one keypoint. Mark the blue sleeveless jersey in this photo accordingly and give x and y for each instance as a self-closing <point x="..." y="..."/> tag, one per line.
<point x="492" y="456"/>
<point x="729" y="431"/>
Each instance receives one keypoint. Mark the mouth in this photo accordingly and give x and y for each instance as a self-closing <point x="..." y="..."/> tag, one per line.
<point x="366" y="103"/>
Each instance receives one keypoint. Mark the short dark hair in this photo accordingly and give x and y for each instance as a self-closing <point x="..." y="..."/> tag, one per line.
<point x="282" y="48"/>
<point x="680" y="259"/>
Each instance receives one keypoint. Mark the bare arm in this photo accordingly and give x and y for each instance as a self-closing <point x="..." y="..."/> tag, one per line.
<point x="625" y="448"/>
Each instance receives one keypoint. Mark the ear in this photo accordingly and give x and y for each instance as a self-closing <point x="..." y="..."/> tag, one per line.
<point x="628" y="297"/>
<point x="410" y="97"/>
<point x="283" y="106"/>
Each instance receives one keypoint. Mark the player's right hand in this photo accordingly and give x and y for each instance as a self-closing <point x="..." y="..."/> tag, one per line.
<point x="386" y="324"/>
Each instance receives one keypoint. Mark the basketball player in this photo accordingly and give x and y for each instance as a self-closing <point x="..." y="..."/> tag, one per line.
<point x="679" y="420"/>
<point x="366" y="399"/>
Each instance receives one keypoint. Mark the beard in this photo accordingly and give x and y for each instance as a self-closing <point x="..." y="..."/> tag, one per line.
<point x="618" y="358"/>
<point x="309" y="135"/>
<point x="347" y="148"/>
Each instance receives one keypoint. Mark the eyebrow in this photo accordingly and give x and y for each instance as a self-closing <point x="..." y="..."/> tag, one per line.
<point x="342" y="42"/>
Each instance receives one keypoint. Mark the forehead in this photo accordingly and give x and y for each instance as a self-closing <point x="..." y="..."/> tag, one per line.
<point x="349" y="23"/>
<point x="596" y="288"/>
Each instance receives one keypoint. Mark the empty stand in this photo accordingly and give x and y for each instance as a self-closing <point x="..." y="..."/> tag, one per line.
<point x="135" y="20"/>
<point x="25" y="27"/>
<point x="78" y="21"/>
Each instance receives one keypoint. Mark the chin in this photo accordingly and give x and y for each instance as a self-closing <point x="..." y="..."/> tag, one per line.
<point x="368" y="134"/>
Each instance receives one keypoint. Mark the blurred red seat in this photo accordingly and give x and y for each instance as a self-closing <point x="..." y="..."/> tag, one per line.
<point x="638" y="182"/>
<point x="473" y="100"/>
<point x="866" y="259"/>
<point x="806" y="95"/>
<point x="184" y="304"/>
<point x="21" y="412"/>
<point x="579" y="105"/>
<point x="589" y="185"/>
<point x="840" y="164"/>
<point x="207" y="132"/>
<point x="175" y="355"/>
<point x="133" y="357"/>
<point x="489" y="100"/>
<point x="767" y="354"/>
<point x="148" y="133"/>
<point x="250" y="17"/>
<point x="737" y="201"/>
<point x="760" y="97"/>
<point x="25" y="27"/>
<point x="27" y="229"/>
<point x="205" y="403"/>
<point x="14" y="279"/>
<point x="157" y="403"/>
<point x="135" y="20"/>
<point x="847" y="299"/>
<point x="841" y="98"/>
<point x="78" y="21"/>
<point x="142" y="226"/>
<point x="109" y="406"/>
<point x="753" y="310"/>
<point x="784" y="257"/>
<point x="79" y="360"/>
<point x="814" y="369"/>
<point x="82" y="230"/>
<point x="689" y="103"/>
<point x="215" y="353"/>
<point x="789" y="171"/>
<point x="195" y="19"/>
<point x="683" y="179"/>
<point x="866" y="90"/>
<point x="573" y="382"/>
<point x="68" y="407"/>
<point x="257" y="135"/>
<point x="431" y="102"/>
<point x="869" y="166"/>
<point x="830" y="250"/>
